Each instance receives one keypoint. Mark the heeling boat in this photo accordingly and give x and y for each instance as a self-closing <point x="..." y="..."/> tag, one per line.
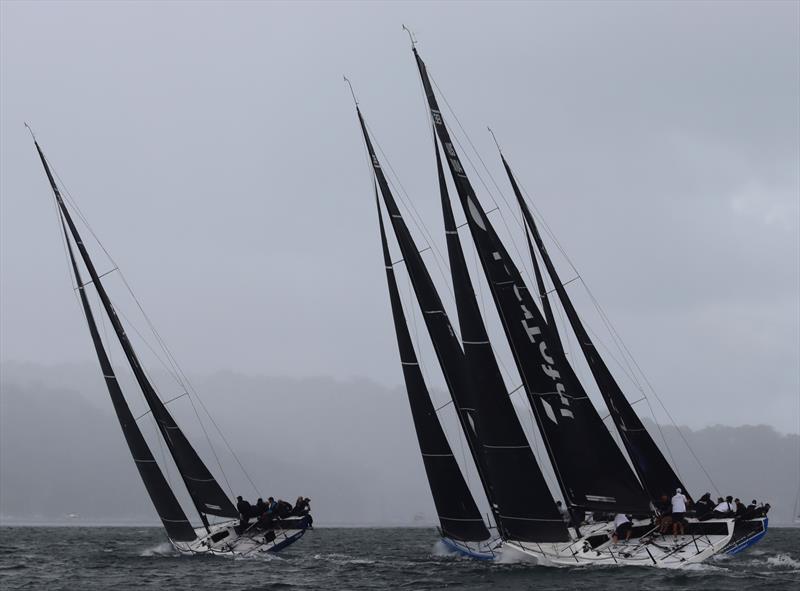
<point x="514" y="486"/>
<point x="224" y="537"/>
<point x="650" y="464"/>
<point x="591" y="471"/>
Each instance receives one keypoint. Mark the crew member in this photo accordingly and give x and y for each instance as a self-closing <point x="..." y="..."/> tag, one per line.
<point x="622" y="527"/>
<point x="678" y="511"/>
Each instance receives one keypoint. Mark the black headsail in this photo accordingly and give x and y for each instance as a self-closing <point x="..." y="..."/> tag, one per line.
<point x="650" y="464"/>
<point x="445" y="343"/>
<point x="590" y="468"/>
<point x="458" y="514"/>
<point x="206" y="493"/>
<point x="167" y="506"/>
<point x="527" y="510"/>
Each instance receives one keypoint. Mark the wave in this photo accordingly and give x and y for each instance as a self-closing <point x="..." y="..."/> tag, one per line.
<point x="342" y="559"/>
<point x="162" y="549"/>
<point x="783" y="561"/>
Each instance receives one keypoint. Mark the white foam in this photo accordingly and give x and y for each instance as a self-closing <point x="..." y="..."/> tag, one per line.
<point x="442" y="550"/>
<point x="509" y="555"/>
<point x="783" y="561"/>
<point x="704" y="567"/>
<point x="163" y="549"/>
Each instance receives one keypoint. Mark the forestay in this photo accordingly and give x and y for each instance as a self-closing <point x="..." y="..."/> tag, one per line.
<point x="166" y="504"/>
<point x="207" y="495"/>
<point x="591" y="470"/>
<point x="650" y="464"/>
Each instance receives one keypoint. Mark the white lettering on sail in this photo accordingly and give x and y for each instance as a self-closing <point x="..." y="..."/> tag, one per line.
<point x="533" y="332"/>
<point x="474" y="213"/>
<point x="375" y="162"/>
<point x="550" y="371"/>
<point x="453" y="157"/>
<point x="549" y="411"/>
<point x="437" y="116"/>
<point x="543" y="351"/>
<point x="561" y="394"/>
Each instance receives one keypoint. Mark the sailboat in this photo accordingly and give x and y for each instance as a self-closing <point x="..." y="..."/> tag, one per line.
<point x="592" y="472"/>
<point x="229" y="537"/>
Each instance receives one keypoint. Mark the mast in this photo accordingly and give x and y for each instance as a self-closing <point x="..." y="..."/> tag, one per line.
<point x="445" y="343"/>
<point x="458" y="514"/>
<point x="526" y="507"/>
<point x="591" y="470"/>
<point x="206" y="494"/>
<point x="167" y="506"/>
<point x="652" y="467"/>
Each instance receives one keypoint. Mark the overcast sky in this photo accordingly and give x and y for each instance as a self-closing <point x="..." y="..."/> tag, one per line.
<point x="215" y="151"/>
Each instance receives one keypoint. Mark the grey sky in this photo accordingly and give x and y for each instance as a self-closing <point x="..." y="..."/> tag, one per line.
<point x="215" y="151"/>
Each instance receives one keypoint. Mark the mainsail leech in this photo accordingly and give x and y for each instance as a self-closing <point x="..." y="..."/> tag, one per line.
<point x="458" y="514"/>
<point x="653" y="469"/>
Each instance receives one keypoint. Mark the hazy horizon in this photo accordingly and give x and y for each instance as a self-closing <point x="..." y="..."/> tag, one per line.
<point x="347" y="444"/>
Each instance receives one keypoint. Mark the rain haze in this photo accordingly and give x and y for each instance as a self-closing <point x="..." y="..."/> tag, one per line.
<point x="215" y="152"/>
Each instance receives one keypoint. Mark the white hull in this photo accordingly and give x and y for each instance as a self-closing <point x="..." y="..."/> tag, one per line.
<point x="595" y="547"/>
<point x="223" y="540"/>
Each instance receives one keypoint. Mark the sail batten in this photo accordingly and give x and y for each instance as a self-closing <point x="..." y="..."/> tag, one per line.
<point x="166" y="504"/>
<point x="206" y="493"/>
<point x="445" y="343"/>
<point x="458" y="513"/>
<point x="650" y="464"/>
<point x="520" y="490"/>
<point x="587" y="463"/>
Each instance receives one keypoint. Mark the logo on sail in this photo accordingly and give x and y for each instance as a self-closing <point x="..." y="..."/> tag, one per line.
<point x="548" y="367"/>
<point x="475" y="214"/>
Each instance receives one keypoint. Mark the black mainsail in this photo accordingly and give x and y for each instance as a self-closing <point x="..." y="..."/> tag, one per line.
<point x="525" y="504"/>
<point x="653" y="469"/>
<point x="167" y="506"/>
<point x="591" y="470"/>
<point x="459" y="516"/>
<point x="205" y="491"/>
<point x="445" y="344"/>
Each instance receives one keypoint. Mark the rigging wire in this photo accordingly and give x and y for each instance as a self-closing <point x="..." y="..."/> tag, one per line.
<point x="178" y="370"/>
<point x="477" y="172"/>
<point x="626" y="354"/>
<point x="416" y="218"/>
<point x="614" y="334"/>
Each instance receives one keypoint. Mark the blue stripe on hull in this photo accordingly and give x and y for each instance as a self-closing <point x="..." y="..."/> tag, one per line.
<point x="288" y="541"/>
<point x="745" y="544"/>
<point x="464" y="551"/>
<point x="291" y="539"/>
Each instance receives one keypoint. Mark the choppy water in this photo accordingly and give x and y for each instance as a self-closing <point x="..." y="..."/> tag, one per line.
<point x="130" y="558"/>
